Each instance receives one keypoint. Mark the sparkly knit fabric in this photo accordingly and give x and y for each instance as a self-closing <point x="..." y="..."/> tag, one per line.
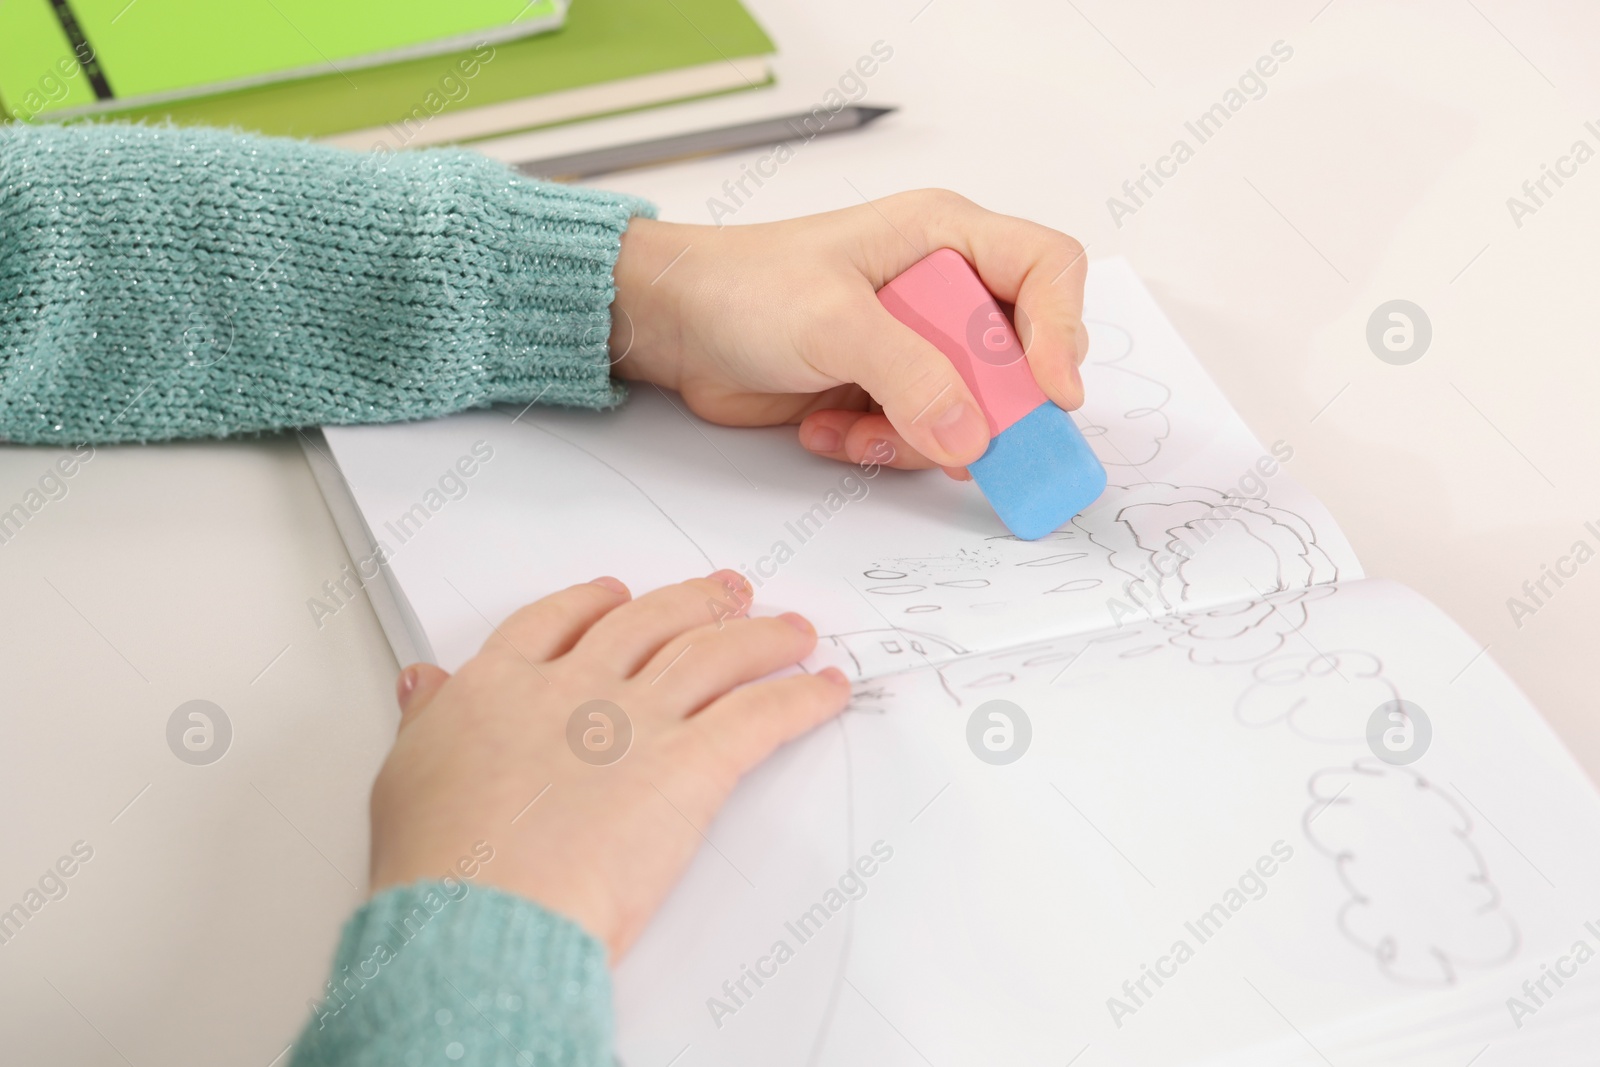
<point x="481" y="980"/>
<point x="158" y="282"/>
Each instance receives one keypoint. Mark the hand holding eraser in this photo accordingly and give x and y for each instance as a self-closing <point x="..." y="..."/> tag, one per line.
<point x="1038" y="471"/>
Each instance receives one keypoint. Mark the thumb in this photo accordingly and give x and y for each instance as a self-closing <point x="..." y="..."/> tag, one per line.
<point x="415" y="689"/>
<point x="920" y="390"/>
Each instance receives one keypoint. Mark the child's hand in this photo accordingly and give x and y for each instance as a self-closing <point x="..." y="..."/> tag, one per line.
<point x="603" y="842"/>
<point x="777" y="323"/>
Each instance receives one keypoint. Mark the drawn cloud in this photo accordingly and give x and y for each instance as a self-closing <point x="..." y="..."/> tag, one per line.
<point x="1421" y="901"/>
<point x="1325" y="697"/>
<point x="1183" y="544"/>
<point x="1245" y="632"/>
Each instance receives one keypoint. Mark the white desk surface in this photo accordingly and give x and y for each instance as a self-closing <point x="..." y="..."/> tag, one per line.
<point x="1376" y="166"/>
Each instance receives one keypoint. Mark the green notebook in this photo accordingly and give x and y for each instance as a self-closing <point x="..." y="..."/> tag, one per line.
<point x="60" y="58"/>
<point x="611" y="56"/>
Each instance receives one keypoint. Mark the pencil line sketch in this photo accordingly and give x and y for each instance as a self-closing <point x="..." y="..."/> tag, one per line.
<point x="825" y="1024"/>
<point x="863" y="654"/>
<point x="1135" y="435"/>
<point x="1324" y="698"/>
<point x="1247" y="631"/>
<point x="1421" y="901"/>
<point x="1154" y="551"/>
<point x="636" y="486"/>
<point x="1180" y="545"/>
<point x="1235" y="635"/>
<point x="1216" y="580"/>
<point x="960" y="561"/>
<point x="1419" y="897"/>
<point x="1224" y="590"/>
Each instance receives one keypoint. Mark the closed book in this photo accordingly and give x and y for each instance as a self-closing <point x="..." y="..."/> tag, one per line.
<point x="611" y="56"/>
<point x="66" y="58"/>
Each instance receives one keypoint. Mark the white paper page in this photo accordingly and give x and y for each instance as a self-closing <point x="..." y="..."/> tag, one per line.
<point x="1452" y="1030"/>
<point x="1019" y="898"/>
<point x="894" y="569"/>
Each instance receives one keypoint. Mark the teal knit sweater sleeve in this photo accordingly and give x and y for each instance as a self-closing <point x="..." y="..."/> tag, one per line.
<point x="158" y="282"/>
<point x="442" y="973"/>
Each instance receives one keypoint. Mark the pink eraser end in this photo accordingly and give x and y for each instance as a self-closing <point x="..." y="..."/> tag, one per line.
<point x="1038" y="471"/>
<point x="942" y="299"/>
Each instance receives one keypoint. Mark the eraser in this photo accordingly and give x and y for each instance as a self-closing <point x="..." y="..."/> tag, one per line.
<point x="1038" y="471"/>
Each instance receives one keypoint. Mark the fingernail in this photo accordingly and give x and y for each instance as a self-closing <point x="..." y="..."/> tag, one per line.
<point x="736" y="583"/>
<point x="823" y="439"/>
<point x="834" y="675"/>
<point x="799" y="622"/>
<point x="961" y="431"/>
<point x="1082" y="339"/>
<point x="405" y="684"/>
<point x="610" y="583"/>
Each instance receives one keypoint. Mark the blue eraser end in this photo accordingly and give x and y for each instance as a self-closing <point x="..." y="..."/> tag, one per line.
<point x="1039" y="472"/>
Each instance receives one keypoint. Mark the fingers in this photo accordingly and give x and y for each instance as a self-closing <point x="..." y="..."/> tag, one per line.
<point x="550" y="626"/>
<point x="696" y="668"/>
<point x="626" y="638"/>
<point x="415" y="689"/>
<point x="862" y="437"/>
<point x="746" y="726"/>
<point x="1037" y="269"/>
<point x="866" y="439"/>
<point x="921" y="392"/>
<point x="1051" y="329"/>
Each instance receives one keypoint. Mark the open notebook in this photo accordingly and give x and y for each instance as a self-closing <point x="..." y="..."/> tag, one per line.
<point x="1173" y="842"/>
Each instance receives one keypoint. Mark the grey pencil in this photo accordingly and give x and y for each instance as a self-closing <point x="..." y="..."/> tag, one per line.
<point x="801" y="127"/>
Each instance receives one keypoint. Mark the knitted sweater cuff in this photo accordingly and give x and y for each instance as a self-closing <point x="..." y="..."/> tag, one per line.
<point x="478" y="979"/>
<point x="550" y="302"/>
